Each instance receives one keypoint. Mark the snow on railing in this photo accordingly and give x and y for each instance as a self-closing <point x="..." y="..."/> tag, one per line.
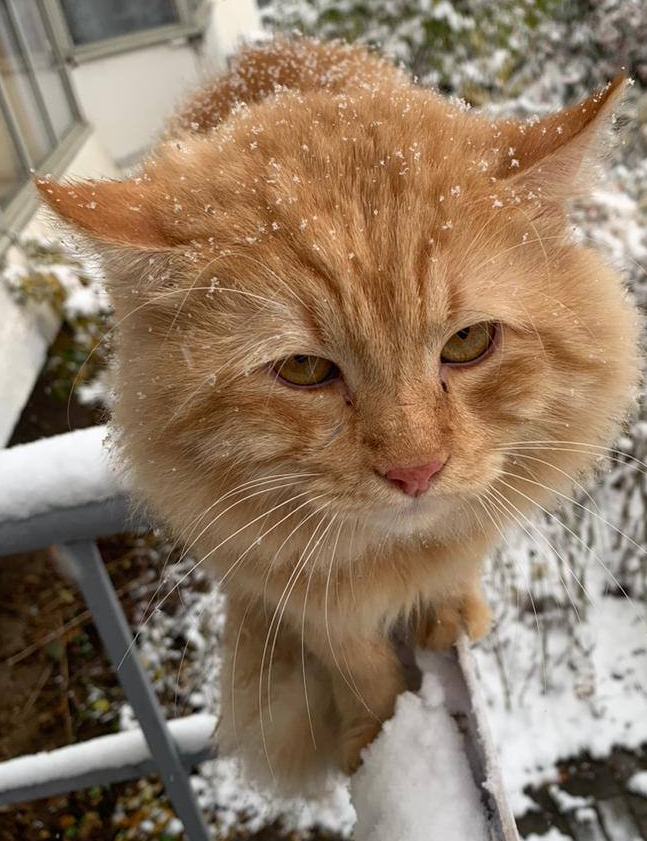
<point x="100" y="761"/>
<point x="431" y="775"/>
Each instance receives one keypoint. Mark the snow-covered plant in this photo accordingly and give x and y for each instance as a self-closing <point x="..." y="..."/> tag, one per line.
<point x="48" y="274"/>
<point x="469" y="47"/>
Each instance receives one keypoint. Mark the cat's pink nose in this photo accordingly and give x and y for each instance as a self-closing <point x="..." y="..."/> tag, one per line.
<point x="415" y="480"/>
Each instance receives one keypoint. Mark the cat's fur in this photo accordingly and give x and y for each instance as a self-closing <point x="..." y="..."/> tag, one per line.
<point x="350" y="215"/>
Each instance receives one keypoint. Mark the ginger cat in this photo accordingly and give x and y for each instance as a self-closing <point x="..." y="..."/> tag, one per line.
<point x="342" y="301"/>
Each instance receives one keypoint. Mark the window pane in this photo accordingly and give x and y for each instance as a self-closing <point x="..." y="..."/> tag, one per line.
<point x="42" y="56"/>
<point x="99" y="19"/>
<point x="11" y="174"/>
<point x="20" y="92"/>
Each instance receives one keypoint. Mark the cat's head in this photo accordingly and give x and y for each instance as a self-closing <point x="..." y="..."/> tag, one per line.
<point x="365" y="297"/>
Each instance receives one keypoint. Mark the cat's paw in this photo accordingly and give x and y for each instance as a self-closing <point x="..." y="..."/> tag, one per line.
<point x="442" y="630"/>
<point x="477" y="616"/>
<point x="354" y="742"/>
<point x="448" y="621"/>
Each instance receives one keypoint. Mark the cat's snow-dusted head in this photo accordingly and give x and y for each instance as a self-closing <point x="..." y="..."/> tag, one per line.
<point x="372" y="294"/>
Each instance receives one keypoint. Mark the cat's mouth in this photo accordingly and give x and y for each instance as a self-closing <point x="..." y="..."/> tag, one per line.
<point x="408" y="514"/>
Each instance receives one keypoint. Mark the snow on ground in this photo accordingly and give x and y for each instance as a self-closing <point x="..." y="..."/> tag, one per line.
<point x="546" y="726"/>
<point x="638" y="784"/>
<point x="552" y="835"/>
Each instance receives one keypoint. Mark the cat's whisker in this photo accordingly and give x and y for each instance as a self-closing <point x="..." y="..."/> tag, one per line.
<point x="271" y="489"/>
<point x="146" y="618"/>
<point x="193" y="523"/>
<point x="287" y="592"/>
<point x="504" y="251"/>
<point x="583" y="447"/>
<point x="500" y="505"/>
<point x="277" y="277"/>
<point x="267" y="639"/>
<point x="575" y="502"/>
<point x="577" y="537"/>
<point x="522" y="517"/>
<point x="303" y="637"/>
<point x="233" y="670"/>
<point x="193" y="568"/>
<point x="351" y="686"/>
<point x="515" y="454"/>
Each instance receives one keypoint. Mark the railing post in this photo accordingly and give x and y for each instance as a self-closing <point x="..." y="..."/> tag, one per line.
<point x="87" y="566"/>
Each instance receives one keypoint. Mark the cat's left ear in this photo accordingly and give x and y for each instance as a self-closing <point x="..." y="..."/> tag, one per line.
<point x="557" y="157"/>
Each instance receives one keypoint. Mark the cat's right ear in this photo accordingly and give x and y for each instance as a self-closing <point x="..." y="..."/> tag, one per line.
<point x="108" y="213"/>
<point x="120" y="222"/>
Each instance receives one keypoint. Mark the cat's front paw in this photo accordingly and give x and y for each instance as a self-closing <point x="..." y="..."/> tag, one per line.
<point x="477" y="616"/>
<point x="353" y="743"/>
<point x="443" y="628"/>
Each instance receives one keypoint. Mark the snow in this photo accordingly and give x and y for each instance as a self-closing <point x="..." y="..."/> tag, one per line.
<point x="61" y="471"/>
<point x="552" y="835"/>
<point x="638" y="784"/>
<point x="192" y="734"/>
<point x="566" y="802"/>
<point x="550" y="725"/>
<point x="416" y="782"/>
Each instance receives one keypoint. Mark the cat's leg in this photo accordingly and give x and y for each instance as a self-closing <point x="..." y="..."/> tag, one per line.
<point x="367" y="677"/>
<point x="440" y="625"/>
<point x="281" y="734"/>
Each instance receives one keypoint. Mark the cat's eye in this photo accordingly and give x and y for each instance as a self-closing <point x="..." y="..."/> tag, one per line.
<point x="469" y="344"/>
<point x="304" y="370"/>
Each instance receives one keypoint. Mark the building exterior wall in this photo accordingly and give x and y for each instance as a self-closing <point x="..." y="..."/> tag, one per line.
<point x="127" y="96"/>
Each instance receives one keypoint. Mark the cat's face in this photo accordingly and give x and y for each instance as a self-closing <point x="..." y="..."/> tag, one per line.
<point x="340" y="289"/>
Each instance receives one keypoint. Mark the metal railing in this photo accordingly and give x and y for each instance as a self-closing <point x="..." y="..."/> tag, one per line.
<point x="61" y="492"/>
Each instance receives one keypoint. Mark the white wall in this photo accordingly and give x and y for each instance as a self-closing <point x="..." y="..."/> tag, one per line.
<point x="128" y="96"/>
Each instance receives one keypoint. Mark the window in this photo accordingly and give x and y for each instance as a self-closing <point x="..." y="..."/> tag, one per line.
<point x="88" y="29"/>
<point x="101" y="19"/>
<point x="37" y="108"/>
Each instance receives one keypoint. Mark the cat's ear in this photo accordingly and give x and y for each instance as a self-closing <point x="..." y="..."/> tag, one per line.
<point x="109" y="213"/>
<point x="558" y="156"/>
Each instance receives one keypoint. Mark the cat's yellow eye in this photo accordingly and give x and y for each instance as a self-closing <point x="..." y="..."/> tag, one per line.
<point x="303" y="370"/>
<point x="469" y="343"/>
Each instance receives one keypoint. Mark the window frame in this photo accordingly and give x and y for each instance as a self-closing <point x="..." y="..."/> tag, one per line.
<point x="189" y="24"/>
<point x="22" y="205"/>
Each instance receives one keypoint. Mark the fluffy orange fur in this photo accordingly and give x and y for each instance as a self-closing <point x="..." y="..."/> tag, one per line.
<point x="315" y="201"/>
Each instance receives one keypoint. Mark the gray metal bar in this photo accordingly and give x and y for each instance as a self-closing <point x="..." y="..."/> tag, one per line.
<point x="14" y="130"/>
<point x="15" y="24"/>
<point x="65" y="525"/>
<point x="100" y="777"/>
<point x="88" y="568"/>
<point x="60" y="47"/>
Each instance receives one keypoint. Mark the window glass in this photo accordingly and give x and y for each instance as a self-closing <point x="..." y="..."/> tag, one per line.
<point x="11" y="172"/>
<point x="42" y="56"/>
<point x="99" y="19"/>
<point x="18" y="87"/>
